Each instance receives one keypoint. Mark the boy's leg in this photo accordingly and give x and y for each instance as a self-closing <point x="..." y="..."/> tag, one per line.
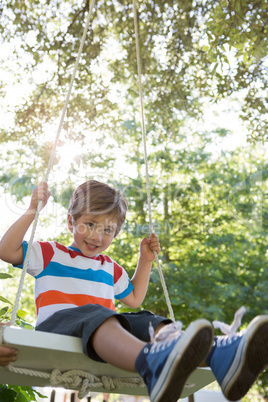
<point x="124" y="352"/>
<point x="237" y="360"/>
<point x="164" y="366"/>
<point x="115" y="345"/>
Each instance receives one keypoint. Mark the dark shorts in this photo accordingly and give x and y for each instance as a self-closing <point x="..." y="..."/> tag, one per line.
<point x="83" y="321"/>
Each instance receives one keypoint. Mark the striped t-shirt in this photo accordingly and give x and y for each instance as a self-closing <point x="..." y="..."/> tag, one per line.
<point x="65" y="278"/>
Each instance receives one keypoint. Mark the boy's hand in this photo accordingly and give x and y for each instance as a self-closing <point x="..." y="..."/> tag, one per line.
<point x="7" y="355"/>
<point x="40" y="193"/>
<point x="148" y="246"/>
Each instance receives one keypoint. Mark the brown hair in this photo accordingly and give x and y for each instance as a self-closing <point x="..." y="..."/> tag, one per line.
<point x="96" y="198"/>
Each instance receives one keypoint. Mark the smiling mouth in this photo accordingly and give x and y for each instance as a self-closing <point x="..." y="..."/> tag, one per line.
<point x="91" y="246"/>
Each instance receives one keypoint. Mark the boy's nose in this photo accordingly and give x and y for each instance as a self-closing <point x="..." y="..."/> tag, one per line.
<point x="96" y="235"/>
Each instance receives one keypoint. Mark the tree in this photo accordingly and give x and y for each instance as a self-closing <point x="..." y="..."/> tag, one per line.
<point x="237" y="45"/>
<point x="211" y="219"/>
<point x="184" y="57"/>
<point x="190" y="51"/>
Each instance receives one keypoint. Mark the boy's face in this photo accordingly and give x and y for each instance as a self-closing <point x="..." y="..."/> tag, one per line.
<point x="92" y="233"/>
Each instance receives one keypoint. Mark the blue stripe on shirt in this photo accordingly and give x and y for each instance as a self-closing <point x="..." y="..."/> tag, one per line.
<point x="59" y="270"/>
<point x="25" y="248"/>
<point x="126" y="292"/>
<point x="56" y="269"/>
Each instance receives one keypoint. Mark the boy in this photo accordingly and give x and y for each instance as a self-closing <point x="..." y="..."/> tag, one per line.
<point x="75" y="290"/>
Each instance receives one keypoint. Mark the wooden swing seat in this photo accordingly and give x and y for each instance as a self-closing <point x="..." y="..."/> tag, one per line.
<point x="45" y="352"/>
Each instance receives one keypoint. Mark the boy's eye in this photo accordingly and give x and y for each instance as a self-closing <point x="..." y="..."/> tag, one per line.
<point x="108" y="230"/>
<point x="89" y="224"/>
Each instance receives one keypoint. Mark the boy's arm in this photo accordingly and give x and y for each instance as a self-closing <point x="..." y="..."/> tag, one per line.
<point x="141" y="276"/>
<point x="11" y="244"/>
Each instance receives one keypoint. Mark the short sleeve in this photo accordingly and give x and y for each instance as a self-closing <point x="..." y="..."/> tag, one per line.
<point x="35" y="265"/>
<point x="122" y="285"/>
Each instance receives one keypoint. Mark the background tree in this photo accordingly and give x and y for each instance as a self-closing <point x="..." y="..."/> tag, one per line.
<point x="184" y="58"/>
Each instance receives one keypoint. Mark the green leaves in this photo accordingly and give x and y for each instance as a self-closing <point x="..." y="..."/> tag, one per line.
<point x="3" y="299"/>
<point x="3" y="311"/>
<point x="210" y="215"/>
<point x="18" y="394"/>
<point x="7" y="395"/>
<point x="5" y="276"/>
<point x="21" y="398"/>
<point x="236" y="41"/>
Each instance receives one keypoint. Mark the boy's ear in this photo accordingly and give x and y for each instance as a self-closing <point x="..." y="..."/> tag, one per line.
<point x="70" y="222"/>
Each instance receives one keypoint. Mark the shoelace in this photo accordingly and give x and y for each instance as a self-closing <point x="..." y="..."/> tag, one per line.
<point x="230" y="330"/>
<point x="165" y="336"/>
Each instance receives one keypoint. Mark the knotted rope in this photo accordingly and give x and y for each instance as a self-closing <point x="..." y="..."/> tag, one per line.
<point x="146" y="159"/>
<point x="81" y="380"/>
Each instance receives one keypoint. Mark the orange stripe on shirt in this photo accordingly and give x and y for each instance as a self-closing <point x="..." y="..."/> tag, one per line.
<point x="54" y="297"/>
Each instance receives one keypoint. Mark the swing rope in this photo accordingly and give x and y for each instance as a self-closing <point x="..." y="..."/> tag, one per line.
<point x="49" y="168"/>
<point x="146" y="159"/>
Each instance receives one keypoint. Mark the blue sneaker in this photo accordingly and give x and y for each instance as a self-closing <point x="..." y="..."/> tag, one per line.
<point x="236" y="360"/>
<point x="165" y="366"/>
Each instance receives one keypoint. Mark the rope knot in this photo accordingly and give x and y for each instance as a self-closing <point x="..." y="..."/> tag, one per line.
<point x="81" y="380"/>
<point x="75" y="379"/>
<point x="72" y="378"/>
<point x="109" y="383"/>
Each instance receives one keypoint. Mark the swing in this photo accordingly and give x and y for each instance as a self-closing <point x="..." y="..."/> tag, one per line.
<point x="47" y="359"/>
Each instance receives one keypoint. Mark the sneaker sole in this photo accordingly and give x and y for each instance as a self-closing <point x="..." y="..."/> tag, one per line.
<point x="191" y="350"/>
<point x="250" y="360"/>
